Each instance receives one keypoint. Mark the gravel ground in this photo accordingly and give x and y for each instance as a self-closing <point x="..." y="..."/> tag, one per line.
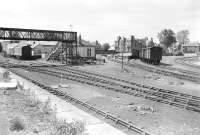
<point x="144" y="77"/>
<point x="159" y="119"/>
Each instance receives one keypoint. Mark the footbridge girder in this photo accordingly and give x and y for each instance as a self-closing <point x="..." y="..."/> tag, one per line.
<point x="37" y="35"/>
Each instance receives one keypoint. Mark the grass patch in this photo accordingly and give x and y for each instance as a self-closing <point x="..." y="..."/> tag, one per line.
<point x="49" y="123"/>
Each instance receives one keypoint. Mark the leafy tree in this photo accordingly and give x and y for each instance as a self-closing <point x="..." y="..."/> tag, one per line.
<point x="106" y="46"/>
<point x="182" y="37"/>
<point x="167" y="37"/>
<point x="1" y="47"/>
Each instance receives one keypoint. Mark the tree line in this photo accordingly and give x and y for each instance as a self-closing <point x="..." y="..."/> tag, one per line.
<point x="167" y="38"/>
<point x="103" y="47"/>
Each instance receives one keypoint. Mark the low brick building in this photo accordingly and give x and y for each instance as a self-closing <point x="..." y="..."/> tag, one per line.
<point x="193" y="47"/>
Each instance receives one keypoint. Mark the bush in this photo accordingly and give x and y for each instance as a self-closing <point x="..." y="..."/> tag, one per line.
<point x="6" y="75"/>
<point x="46" y="109"/>
<point x="61" y="127"/>
<point x="32" y="102"/>
<point x="17" y="124"/>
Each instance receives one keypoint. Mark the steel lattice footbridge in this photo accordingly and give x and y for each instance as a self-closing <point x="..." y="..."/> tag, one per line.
<point x="37" y="35"/>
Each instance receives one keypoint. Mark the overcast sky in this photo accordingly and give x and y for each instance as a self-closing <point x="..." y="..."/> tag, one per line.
<point x="103" y="20"/>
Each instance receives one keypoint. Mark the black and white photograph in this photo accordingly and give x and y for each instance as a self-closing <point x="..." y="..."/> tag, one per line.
<point x="100" y="67"/>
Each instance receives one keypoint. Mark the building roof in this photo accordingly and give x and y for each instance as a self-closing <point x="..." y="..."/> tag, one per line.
<point x="112" y="48"/>
<point x="44" y="43"/>
<point x="124" y="54"/>
<point x="85" y="43"/>
<point x="81" y="45"/>
<point x="192" y="44"/>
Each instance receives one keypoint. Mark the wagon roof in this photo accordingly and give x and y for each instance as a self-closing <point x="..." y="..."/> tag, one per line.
<point x="192" y="44"/>
<point x="152" y="46"/>
<point x="44" y="43"/>
<point x="81" y="45"/>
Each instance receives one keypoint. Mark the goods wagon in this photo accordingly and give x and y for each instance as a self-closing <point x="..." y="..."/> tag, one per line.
<point x="22" y="52"/>
<point x="151" y="54"/>
<point x="146" y="51"/>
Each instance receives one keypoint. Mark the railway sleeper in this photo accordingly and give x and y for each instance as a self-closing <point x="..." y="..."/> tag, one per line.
<point x="147" y="87"/>
<point x="151" y="98"/>
<point x="194" y="103"/>
<point x="181" y="101"/>
<point x="86" y="105"/>
<point x="192" y="108"/>
<point x="195" y="97"/>
<point x="101" y="113"/>
<point x="123" y="123"/>
<point x="185" y="95"/>
<point x="112" y="118"/>
<point x="177" y="104"/>
<point x="139" y="95"/>
<point x="169" y="92"/>
<point x="155" y="93"/>
<point x="161" y="100"/>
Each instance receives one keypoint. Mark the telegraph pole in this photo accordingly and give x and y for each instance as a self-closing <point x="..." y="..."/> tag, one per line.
<point x="62" y="49"/>
<point x="119" y="38"/>
<point x="71" y="48"/>
<point x="123" y="48"/>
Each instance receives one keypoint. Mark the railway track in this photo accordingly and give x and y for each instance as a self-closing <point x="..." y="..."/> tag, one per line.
<point x="186" y="76"/>
<point x="182" y="71"/>
<point x="177" y="99"/>
<point x="169" y="97"/>
<point x="163" y="66"/>
<point x="69" y="98"/>
<point x="183" y="61"/>
<point x="173" y="69"/>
